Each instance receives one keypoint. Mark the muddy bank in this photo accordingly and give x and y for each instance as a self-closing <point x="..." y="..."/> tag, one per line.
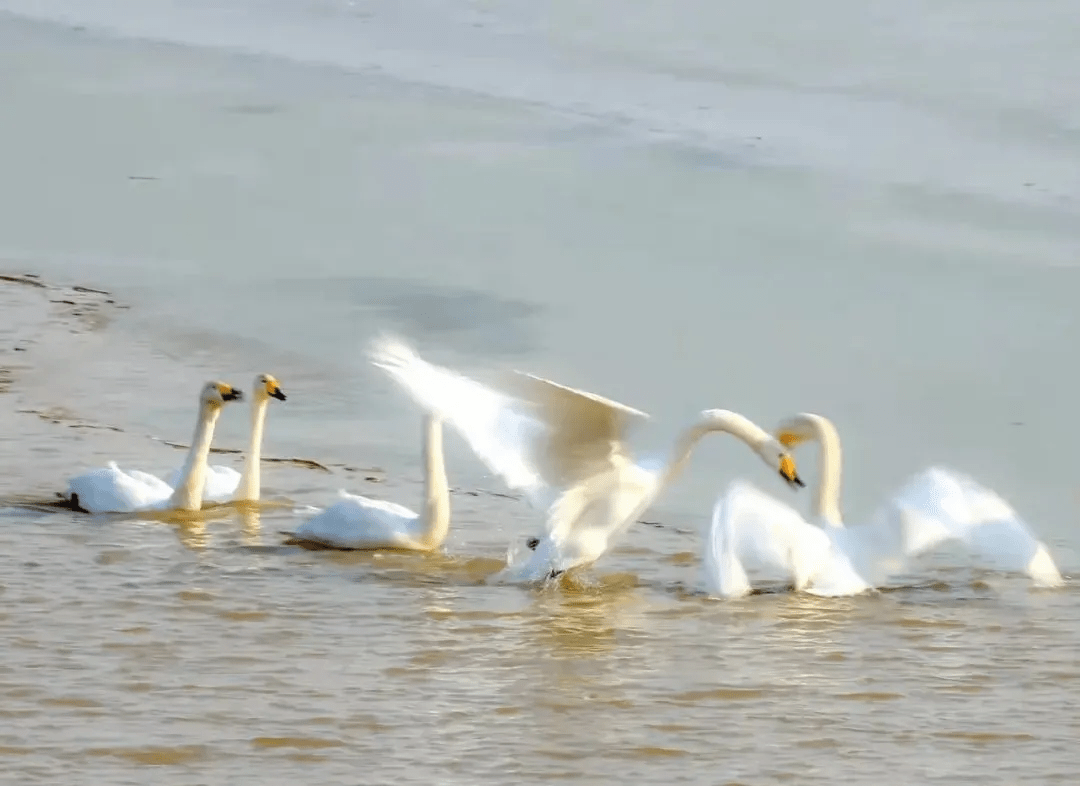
<point x="65" y="381"/>
<point x="68" y="381"/>
<point x="41" y="321"/>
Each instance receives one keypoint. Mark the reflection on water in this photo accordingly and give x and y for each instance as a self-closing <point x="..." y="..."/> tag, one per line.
<point x="179" y="649"/>
<point x="251" y="524"/>
<point x="199" y="644"/>
<point x="570" y="622"/>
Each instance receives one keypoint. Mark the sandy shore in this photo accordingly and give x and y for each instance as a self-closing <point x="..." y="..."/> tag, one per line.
<point x="42" y="322"/>
<point x="65" y="381"/>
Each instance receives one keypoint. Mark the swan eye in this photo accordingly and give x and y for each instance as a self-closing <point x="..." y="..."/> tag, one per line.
<point x="273" y="389"/>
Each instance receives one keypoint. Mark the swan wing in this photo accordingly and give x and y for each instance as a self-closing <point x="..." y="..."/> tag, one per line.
<point x="152" y="483"/>
<point x="506" y="433"/>
<point x="221" y="483"/>
<point x="110" y="489"/>
<point x="586" y="434"/>
<point x="356" y="522"/>
<point x="939" y="505"/>
<point x="749" y="526"/>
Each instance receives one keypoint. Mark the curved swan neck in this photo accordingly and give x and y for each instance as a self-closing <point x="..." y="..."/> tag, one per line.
<point x="827" y="499"/>
<point x="189" y="490"/>
<point x="680" y="453"/>
<point x="827" y="493"/>
<point x="250" y="484"/>
<point x="728" y="422"/>
<point x="435" y="514"/>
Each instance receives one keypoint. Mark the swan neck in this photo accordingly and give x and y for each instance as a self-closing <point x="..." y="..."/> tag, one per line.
<point x="827" y="493"/>
<point x="251" y="478"/>
<point x="746" y="431"/>
<point x="435" y="515"/>
<point x="684" y="447"/>
<point x="189" y="490"/>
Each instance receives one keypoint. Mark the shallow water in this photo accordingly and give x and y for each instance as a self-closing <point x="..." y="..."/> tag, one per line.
<point x="897" y="251"/>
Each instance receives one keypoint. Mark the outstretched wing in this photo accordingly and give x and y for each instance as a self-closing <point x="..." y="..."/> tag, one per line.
<point x="540" y="439"/>
<point x="938" y="505"/>
<point x="750" y="527"/>
<point x="502" y="431"/>
<point x="586" y="432"/>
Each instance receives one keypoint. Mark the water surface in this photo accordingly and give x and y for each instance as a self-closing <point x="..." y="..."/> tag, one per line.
<point x="869" y="214"/>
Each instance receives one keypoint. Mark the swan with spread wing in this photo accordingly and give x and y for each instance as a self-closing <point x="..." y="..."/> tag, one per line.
<point x="565" y="450"/>
<point x="934" y="507"/>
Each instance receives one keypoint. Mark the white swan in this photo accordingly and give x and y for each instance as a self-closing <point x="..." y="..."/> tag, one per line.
<point x="357" y="522"/>
<point x="565" y="449"/>
<point x="225" y="483"/>
<point x="113" y="490"/>
<point x="934" y="507"/>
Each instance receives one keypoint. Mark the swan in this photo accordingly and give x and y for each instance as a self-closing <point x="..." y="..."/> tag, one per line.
<point x="113" y="490"/>
<point x="357" y="522"/>
<point x="935" y="506"/>
<point x="565" y="450"/>
<point x="225" y="483"/>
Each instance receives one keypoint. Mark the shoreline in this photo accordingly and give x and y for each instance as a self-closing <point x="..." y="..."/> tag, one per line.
<point x="43" y="321"/>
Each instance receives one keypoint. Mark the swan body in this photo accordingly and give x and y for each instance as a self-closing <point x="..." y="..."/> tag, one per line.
<point x="749" y="526"/>
<point x="934" y="507"/>
<point x="113" y="490"/>
<point x="357" y="522"/>
<point x="224" y="484"/>
<point x="565" y="449"/>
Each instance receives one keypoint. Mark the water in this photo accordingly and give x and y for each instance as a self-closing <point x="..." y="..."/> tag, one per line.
<point x="864" y="211"/>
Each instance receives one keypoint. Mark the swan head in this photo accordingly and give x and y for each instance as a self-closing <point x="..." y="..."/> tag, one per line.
<point x="218" y="394"/>
<point x="804" y="427"/>
<point x="778" y="457"/>
<point x="266" y="386"/>
<point x="771" y="450"/>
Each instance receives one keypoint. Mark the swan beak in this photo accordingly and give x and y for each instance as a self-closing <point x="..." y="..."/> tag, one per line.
<point x="276" y="393"/>
<point x="788" y="472"/>
<point x="232" y="394"/>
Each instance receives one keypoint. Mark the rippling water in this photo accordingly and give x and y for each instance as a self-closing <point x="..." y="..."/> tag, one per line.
<point x="201" y="647"/>
<point x="870" y="214"/>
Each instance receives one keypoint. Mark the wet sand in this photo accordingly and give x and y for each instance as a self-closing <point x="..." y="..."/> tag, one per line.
<point x="44" y="328"/>
<point x="261" y="215"/>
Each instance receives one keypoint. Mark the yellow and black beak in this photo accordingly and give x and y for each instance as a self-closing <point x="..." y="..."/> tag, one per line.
<point x="788" y="472"/>
<point x="275" y="392"/>
<point x="229" y="393"/>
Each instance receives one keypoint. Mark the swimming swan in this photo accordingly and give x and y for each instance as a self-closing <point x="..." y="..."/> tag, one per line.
<point x="357" y="522"/>
<point x="113" y="490"/>
<point x="565" y="450"/>
<point x="225" y="483"/>
<point x="934" y="507"/>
